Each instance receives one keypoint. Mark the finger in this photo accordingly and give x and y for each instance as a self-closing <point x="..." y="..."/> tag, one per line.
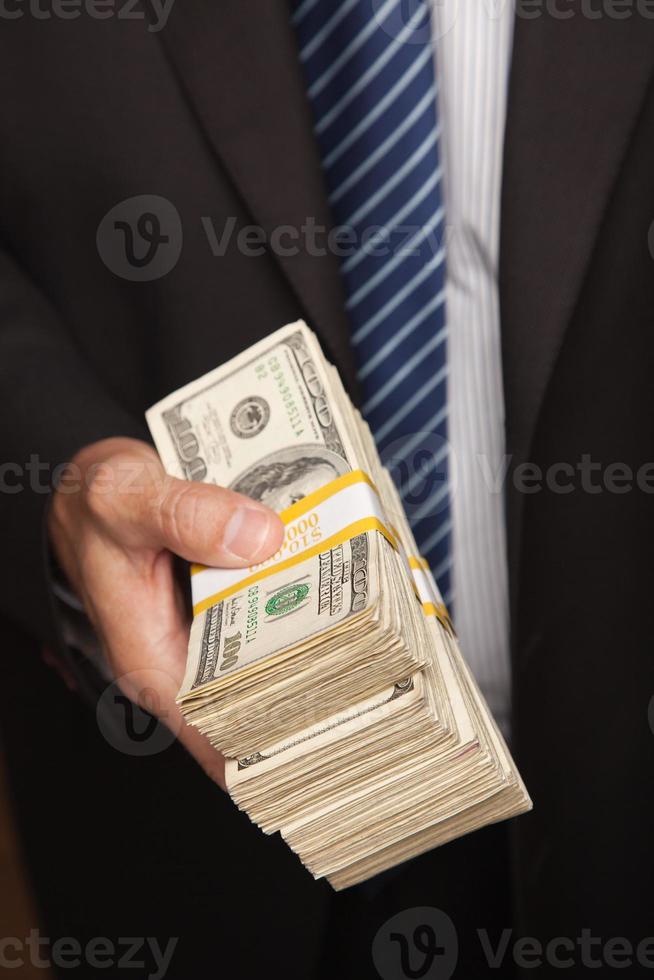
<point x="213" y="526"/>
<point x="200" y="522"/>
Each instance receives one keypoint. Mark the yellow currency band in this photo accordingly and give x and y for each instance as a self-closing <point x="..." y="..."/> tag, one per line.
<point x="292" y="513"/>
<point x="307" y="503"/>
<point x="439" y="610"/>
<point x="302" y="507"/>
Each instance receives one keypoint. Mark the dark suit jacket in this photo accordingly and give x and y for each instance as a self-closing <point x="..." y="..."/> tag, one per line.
<point x="210" y="114"/>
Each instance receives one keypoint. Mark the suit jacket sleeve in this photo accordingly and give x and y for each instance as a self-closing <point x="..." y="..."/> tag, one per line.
<point x="51" y="407"/>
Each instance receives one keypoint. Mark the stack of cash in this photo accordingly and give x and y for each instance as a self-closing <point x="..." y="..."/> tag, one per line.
<point x="329" y="675"/>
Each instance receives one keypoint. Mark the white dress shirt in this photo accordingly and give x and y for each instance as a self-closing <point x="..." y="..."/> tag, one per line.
<point x="473" y="42"/>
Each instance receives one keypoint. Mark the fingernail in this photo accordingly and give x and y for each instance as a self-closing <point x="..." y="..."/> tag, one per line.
<point x="251" y="534"/>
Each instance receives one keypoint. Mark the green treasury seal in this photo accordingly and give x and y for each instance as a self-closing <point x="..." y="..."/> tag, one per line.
<point x="286" y="600"/>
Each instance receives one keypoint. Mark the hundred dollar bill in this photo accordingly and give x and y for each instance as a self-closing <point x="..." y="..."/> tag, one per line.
<point x="263" y="424"/>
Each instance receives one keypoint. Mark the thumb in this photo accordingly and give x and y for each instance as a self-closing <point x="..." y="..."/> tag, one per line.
<point x="197" y="521"/>
<point x="211" y="525"/>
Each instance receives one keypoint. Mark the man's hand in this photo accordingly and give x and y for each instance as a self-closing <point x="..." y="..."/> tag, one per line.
<point x="115" y="523"/>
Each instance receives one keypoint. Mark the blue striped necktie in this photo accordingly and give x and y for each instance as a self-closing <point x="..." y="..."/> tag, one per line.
<point x="369" y="72"/>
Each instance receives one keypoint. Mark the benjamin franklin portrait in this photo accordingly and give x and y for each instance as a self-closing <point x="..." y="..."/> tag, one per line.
<point x="285" y="477"/>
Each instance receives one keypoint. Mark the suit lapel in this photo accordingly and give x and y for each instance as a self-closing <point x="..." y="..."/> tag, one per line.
<point x="575" y="91"/>
<point x="238" y="64"/>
